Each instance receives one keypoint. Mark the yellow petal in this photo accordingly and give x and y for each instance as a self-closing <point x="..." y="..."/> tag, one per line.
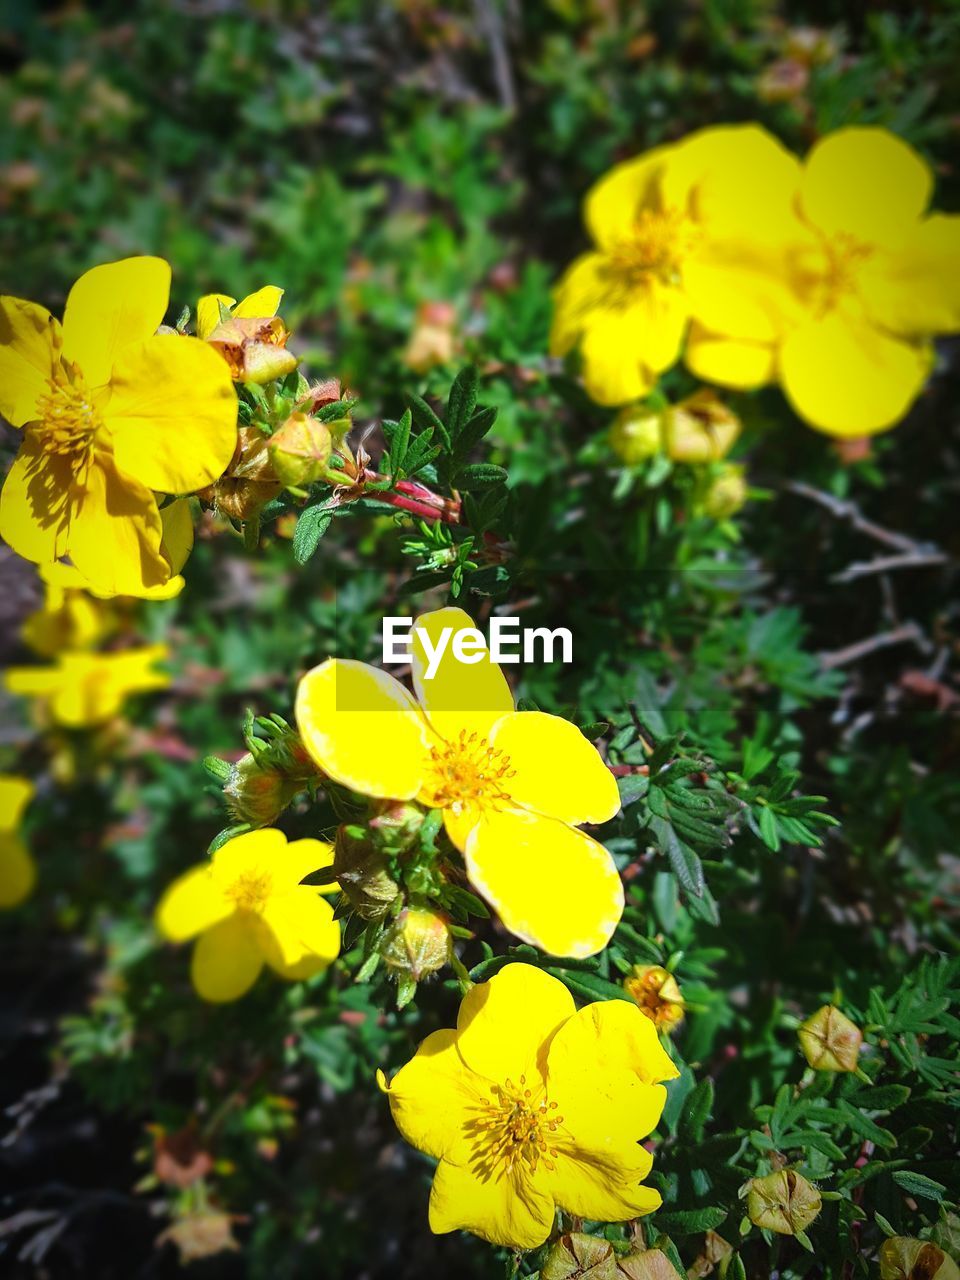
<point x="557" y="771"/>
<point x="30" y="342"/>
<point x="114" y="533"/>
<point x="259" y="305"/>
<point x="729" y="362"/>
<point x="110" y="307"/>
<point x="306" y="967"/>
<point x="626" y="347"/>
<point x="172" y="413"/>
<point x="15" y="795"/>
<point x="585" y="286"/>
<point x="511" y="1210"/>
<point x="434" y="1097"/>
<point x="742" y="292"/>
<point x="460" y="696"/>
<point x="177" y="521"/>
<point x="602" y="1189"/>
<point x="300" y="858"/>
<point x="550" y="884"/>
<point x="916" y="290"/>
<point x="505" y="1025"/>
<point x="33" y="682"/>
<point x="193" y="903"/>
<point x="866" y="182"/>
<point x="94" y="687"/>
<point x="33" y="510"/>
<point x="616" y="1034"/>
<point x="208" y="312"/>
<point x="612" y="204"/>
<point x="300" y="923"/>
<point x="253" y="854"/>
<point x="363" y="728"/>
<point x="226" y="961"/>
<point x="18" y="871"/>
<point x="848" y="379"/>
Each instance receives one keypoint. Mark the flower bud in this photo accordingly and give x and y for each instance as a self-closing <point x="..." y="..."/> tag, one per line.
<point x="648" y="1264"/>
<point x="715" y="1252"/>
<point x="200" y="1234"/>
<point x="902" y="1258"/>
<point x="300" y="449"/>
<point x="830" y="1041"/>
<point x="700" y="429"/>
<point x="433" y="341"/>
<point x="258" y="794"/>
<point x="784" y="1202"/>
<point x="580" y="1257"/>
<point x="726" y="494"/>
<point x="636" y="434"/>
<point x="397" y="823"/>
<point x="657" y="995"/>
<point x="249" y="481"/>
<point x="255" y="349"/>
<point x="417" y="943"/>
<point x="362" y="872"/>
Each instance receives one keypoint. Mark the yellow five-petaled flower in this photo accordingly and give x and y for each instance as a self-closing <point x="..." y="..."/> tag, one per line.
<point x="513" y="785"/>
<point x="529" y="1106"/>
<point x="111" y="412"/>
<point x="249" y="908"/>
<point x="85" y="689"/>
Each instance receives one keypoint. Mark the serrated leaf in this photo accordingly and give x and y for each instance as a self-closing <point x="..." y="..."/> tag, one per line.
<point x="696" y="1111"/>
<point x="462" y="400"/>
<point x="687" y="1222"/>
<point x="479" y="475"/>
<point x="311" y="526"/>
<point x="918" y="1184"/>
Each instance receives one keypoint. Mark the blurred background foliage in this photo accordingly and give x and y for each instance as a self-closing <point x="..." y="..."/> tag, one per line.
<point x="411" y="174"/>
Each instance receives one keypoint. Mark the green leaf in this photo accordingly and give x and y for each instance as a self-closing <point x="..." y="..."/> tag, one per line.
<point x="918" y="1184"/>
<point x="767" y="822"/>
<point x="687" y="1222"/>
<point x="311" y="527"/>
<point x="696" y="1111"/>
<point x="590" y="986"/>
<point x="462" y="400"/>
<point x="479" y="475"/>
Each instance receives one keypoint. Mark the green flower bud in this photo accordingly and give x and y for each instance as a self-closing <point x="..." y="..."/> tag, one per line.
<point x="726" y="494"/>
<point x="830" y="1041"/>
<point x="416" y="944"/>
<point x="362" y="872"/>
<point x="784" y="1202"/>
<point x="300" y="450"/>
<point x="636" y="434"/>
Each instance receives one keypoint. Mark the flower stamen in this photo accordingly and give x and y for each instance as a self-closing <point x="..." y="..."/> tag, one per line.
<point x="467" y="772"/>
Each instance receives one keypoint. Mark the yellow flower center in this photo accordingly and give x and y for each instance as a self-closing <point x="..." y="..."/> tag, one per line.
<point x="840" y="277"/>
<point x="656" y="248"/>
<point x="467" y="772"/>
<point x="251" y="890"/>
<point x="67" y="419"/>
<point x="515" y="1124"/>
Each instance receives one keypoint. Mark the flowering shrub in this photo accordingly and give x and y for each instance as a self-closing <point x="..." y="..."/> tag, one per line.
<point x="650" y="945"/>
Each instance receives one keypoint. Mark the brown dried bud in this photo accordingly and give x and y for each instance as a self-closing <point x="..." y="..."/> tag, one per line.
<point x="580" y="1257"/>
<point x="649" y="1264"/>
<point x="417" y="943"/>
<point x="361" y="871"/>
<point x="902" y="1258"/>
<point x="179" y="1160"/>
<point x="200" y="1235"/>
<point x="248" y="483"/>
<point x="700" y="428"/>
<point x="715" y="1250"/>
<point x="657" y="995"/>
<point x="300" y="450"/>
<point x="784" y="1202"/>
<point x="830" y="1041"/>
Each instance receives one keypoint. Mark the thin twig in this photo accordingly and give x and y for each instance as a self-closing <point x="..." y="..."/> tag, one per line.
<point x="909" y="632"/>
<point x="843" y="509"/>
<point x="883" y="564"/>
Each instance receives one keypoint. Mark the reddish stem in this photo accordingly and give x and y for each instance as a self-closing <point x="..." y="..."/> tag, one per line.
<point x="449" y="514"/>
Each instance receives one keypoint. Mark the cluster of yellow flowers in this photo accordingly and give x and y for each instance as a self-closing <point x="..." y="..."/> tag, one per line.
<point x="827" y="276"/>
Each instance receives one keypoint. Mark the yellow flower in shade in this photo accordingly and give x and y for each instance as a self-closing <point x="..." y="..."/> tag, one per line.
<point x="18" y="871"/>
<point x="530" y="1106"/>
<point x="830" y="1041"/>
<point x="69" y="618"/>
<point x="261" y="305"/>
<point x="112" y="411"/>
<point x="249" y="908"/>
<point x="657" y="995"/>
<point x="694" y="232"/>
<point x="871" y="280"/>
<point x="513" y="785"/>
<point x="85" y="689"/>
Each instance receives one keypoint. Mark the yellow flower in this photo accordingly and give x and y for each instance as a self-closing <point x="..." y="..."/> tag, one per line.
<point x="657" y="995"/>
<point x="18" y="871"/>
<point x="691" y="232"/>
<point x="870" y="281"/>
<point x="513" y="786"/>
<point x="111" y="411"/>
<point x="248" y="906"/>
<point x="68" y="619"/>
<point x="261" y="305"/>
<point x="529" y="1106"/>
<point x="85" y="689"/>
